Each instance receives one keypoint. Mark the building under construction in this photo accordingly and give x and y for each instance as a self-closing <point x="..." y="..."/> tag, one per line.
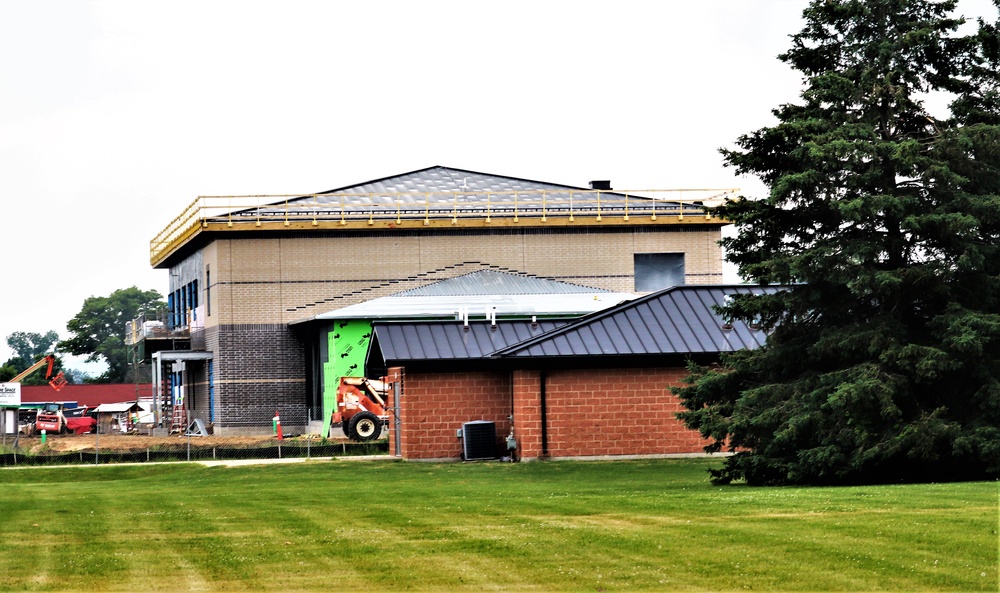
<point x="247" y="274"/>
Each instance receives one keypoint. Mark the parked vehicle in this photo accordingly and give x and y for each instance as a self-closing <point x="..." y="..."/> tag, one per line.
<point x="30" y="426"/>
<point x="55" y="419"/>
<point x="361" y="408"/>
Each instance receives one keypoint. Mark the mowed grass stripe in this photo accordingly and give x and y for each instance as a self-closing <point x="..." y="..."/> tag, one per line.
<point x="650" y="525"/>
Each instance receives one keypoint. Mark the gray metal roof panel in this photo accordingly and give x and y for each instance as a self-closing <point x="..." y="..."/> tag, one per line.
<point x="417" y="306"/>
<point x="677" y="320"/>
<point x="439" y="340"/>
<point x="492" y="282"/>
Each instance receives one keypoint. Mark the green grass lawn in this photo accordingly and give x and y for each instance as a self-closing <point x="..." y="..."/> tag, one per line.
<point x="578" y="526"/>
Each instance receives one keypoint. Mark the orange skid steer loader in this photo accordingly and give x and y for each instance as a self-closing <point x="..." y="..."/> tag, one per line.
<point x="361" y="408"/>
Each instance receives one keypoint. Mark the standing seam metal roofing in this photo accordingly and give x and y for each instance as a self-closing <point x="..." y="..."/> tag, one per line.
<point x="492" y="282"/>
<point x="677" y="320"/>
<point x="476" y="293"/>
<point x="449" y="340"/>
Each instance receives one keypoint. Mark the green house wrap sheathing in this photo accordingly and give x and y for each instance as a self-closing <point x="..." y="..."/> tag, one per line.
<point x="347" y="345"/>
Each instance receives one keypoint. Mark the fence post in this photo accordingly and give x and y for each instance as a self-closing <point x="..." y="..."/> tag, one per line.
<point x="97" y="443"/>
<point x="189" y="445"/>
<point x="309" y="418"/>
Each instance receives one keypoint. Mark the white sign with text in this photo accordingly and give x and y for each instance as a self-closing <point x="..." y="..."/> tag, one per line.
<point x="10" y="394"/>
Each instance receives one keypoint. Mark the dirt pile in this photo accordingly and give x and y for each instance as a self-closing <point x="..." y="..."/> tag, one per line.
<point x="129" y="443"/>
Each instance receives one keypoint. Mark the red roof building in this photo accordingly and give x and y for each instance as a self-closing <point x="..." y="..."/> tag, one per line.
<point x="87" y="394"/>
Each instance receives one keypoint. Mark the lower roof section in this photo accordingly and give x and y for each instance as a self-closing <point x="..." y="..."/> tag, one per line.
<point x="399" y="343"/>
<point x="181" y="355"/>
<point x="675" y="323"/>
<point x="483" y="294"/>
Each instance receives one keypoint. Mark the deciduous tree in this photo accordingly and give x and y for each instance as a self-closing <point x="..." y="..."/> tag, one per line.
<point x="28" y="347"/>
<point x="99" y="329"/>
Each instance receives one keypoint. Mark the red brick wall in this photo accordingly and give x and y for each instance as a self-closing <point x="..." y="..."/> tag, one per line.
<point x="589" y="412"/>
<point x="616" y="412"/>
<point x="527" y="414"/>
<point x="435" y="405"/>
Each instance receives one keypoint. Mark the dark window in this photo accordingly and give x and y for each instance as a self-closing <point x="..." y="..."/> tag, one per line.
<point x="208" y="292"/>
<point x="656" y="271"/>
<point x="193" y="299"/>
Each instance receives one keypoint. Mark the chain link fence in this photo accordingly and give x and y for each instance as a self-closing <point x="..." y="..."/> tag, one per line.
<point x="133" y="436"/>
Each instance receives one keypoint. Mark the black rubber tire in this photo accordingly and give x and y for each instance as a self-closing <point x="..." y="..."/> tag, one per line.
<point x="365" y="426"/>
<point x="346" y="427"/>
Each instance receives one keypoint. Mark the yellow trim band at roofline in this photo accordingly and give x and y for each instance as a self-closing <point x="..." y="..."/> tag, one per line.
<point x="454" y="209"/>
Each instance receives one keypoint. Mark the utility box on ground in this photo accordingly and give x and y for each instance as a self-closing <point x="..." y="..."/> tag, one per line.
<point x="479" y="440"/>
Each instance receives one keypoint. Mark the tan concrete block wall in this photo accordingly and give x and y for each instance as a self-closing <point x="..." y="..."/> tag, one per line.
<point x="353" y="257"/>
<point x="702" y="254"/>
<point x="279" y="280"/>
<point x="211" y="296"/>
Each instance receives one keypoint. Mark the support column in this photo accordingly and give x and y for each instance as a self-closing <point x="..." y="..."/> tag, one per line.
<point x="527" y="388"/>
<point x="394" y="377"/>
<point x="157" y="390"/>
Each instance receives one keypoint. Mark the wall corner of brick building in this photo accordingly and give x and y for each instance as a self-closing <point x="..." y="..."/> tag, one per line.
<point x="395" y="375"/>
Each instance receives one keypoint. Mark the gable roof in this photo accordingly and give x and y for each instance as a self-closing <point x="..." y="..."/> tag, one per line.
<point x="428" y="200"/>
<point x="493" y="282"/>
<point x="446" y="190"/>
<point x="480" y="292"/>
<point x="447" y="179"/>
<point x="676" y="320"/>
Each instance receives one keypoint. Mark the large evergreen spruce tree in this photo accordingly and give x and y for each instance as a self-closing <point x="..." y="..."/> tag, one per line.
<point x="883" y="362"/>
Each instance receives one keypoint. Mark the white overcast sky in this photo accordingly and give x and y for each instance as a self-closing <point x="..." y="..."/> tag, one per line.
<point x="114" y="116"/>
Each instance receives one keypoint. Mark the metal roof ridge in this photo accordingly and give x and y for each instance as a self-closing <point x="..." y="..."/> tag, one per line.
<point x="337" y="189"/>
<point x="604" y="313"/>
<point x="456" y="169"/>
<point x="415" y="292"/>
<point x="477" y="321"/>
